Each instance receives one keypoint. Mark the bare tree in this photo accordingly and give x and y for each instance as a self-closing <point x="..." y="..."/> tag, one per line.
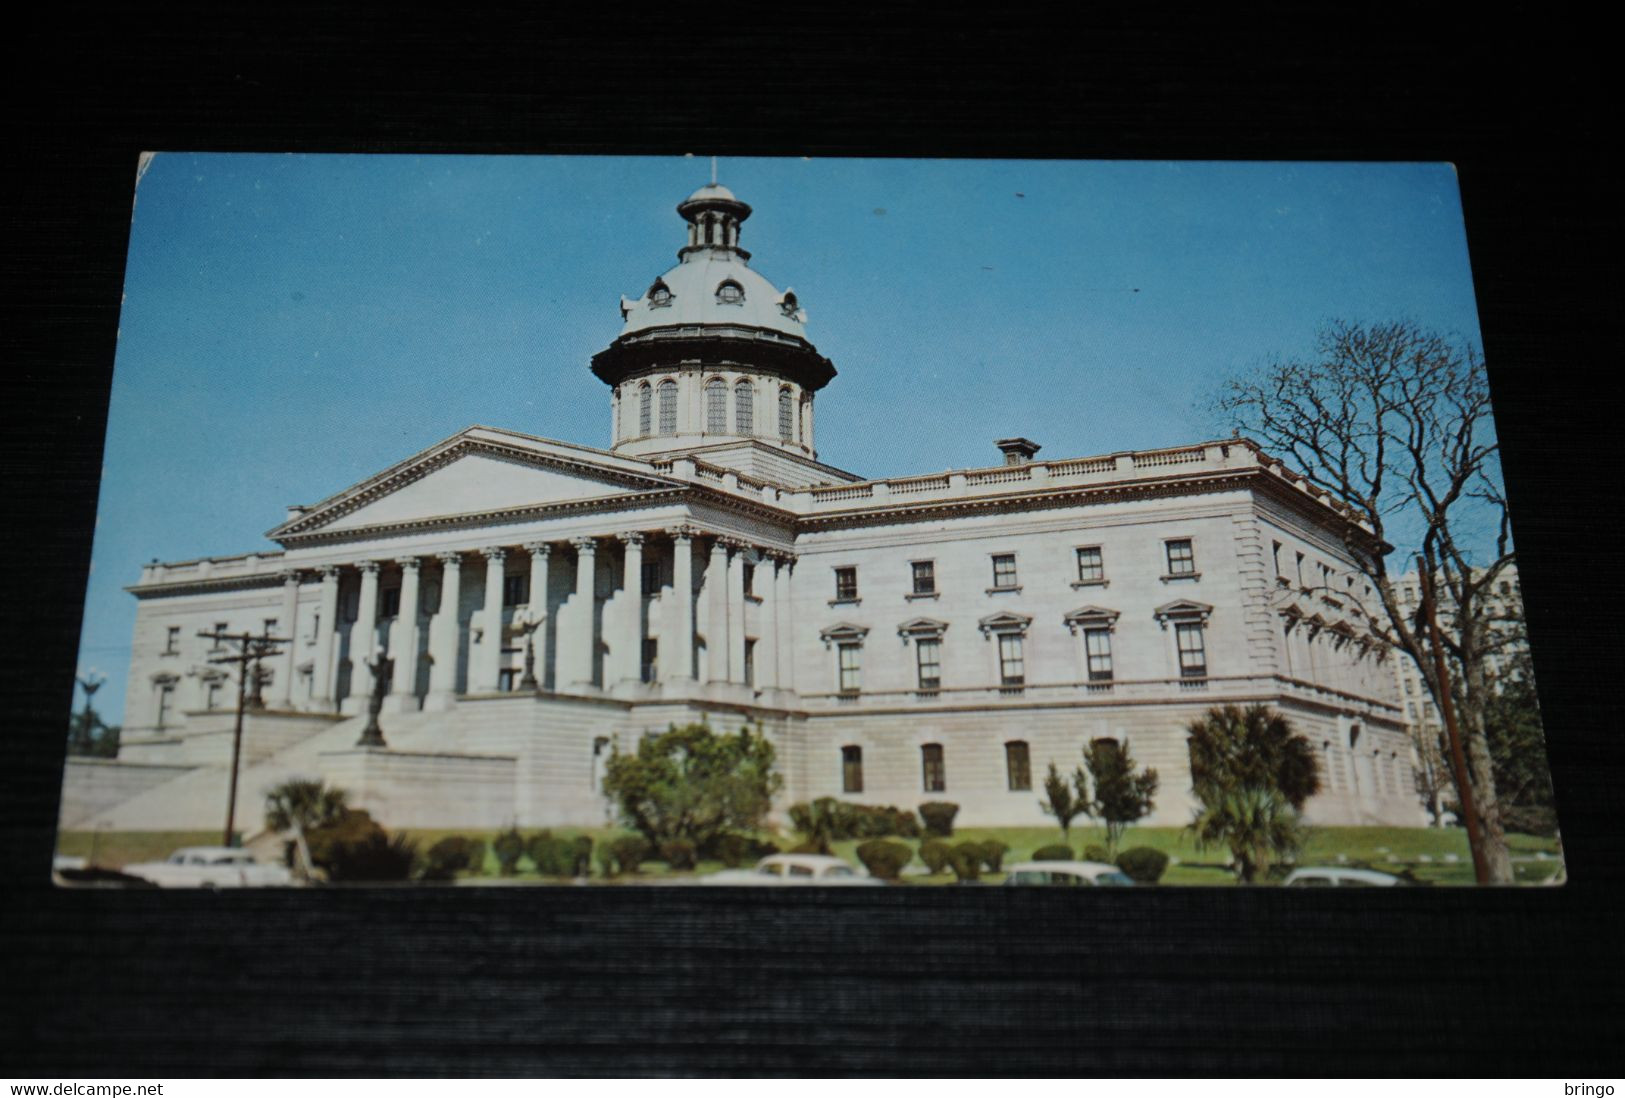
<point x="1393" y="421"/>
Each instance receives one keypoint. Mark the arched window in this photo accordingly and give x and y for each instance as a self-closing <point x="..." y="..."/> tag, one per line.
<point x="668" y="407"/>
<point x="659" y="295"/>
<point x="744" y="408"/>
<point x="731" y="293"/>
<point x="645" y="395"/>
<point x="787" y="416"/>
<point x="716" y="406"/>
<point x="788" y="305"/>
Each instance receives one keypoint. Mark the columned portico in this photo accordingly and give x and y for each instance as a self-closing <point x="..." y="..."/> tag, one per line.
<point x="677" y="665"/>
<point x="287" y="626"/>
<point x="324" y="667"/>
<point x="716" y="639"/>
<point x="628" y="649"/>
<point x="403" y="641"/>
<point x="489" y="652"/>
<point x="445" y="634"/>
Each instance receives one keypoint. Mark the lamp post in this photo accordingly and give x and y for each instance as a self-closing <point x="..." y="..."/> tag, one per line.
<point x="89" y="681"/>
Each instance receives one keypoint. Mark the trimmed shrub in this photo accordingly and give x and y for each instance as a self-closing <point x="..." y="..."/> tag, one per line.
<point x="939" y="818"/>
<point x="828" y="819"/>
<point x="450" y="856"/>
<point x="628" y="853"/>
<point x="884" y="860"/>
<point x="509" y="848"/>
<point x="993" y="852"/>
<point x="1094" y="852"/>
<point x="1143" y="864"/>
<point x="965" y="859"/>
<point x="353" y="826"/>
<point x="476" y="857"/>
<point x="375" y="858"/>
<point x="1055" y="852"/>
<point x="558" y="857"/>
<point x="734" y="850"/>
<point x="679" y="854"/>
<point x="934" y="853"/>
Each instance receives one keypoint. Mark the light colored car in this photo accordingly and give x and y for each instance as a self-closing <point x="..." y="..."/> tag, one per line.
<point x="1328" y="876"/>
<point x="1067" y="874"/>
<point x="793" y="869"/>
<point x="211" y="867"/>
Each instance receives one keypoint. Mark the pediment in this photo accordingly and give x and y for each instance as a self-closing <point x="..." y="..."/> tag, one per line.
<point x="476" y="473"/>
<point x="1090" y="616"/>
<point x="1005" y="622"/>
<point x="922" y="627"/>
<point x="844" y="631"/>
<point x="1182" y="610"/>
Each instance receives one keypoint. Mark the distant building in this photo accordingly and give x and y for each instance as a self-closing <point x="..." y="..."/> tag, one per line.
<point x="1422" y="716"/>
<point x="904" y="639"/>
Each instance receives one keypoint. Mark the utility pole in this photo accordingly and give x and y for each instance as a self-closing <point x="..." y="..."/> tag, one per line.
<point x="247" y="658"/>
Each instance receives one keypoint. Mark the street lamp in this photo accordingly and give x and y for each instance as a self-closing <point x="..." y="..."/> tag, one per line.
<point x="90" y="681"/>
<point x="525" y="622"/>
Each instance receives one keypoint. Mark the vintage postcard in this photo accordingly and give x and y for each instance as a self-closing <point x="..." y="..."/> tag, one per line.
<point x="660" y="521"/>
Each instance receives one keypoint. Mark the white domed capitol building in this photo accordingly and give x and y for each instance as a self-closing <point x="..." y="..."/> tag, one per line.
<point x="944" y="637"/>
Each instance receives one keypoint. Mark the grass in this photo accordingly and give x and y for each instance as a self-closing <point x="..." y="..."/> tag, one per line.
<point x="1439" y="856"/>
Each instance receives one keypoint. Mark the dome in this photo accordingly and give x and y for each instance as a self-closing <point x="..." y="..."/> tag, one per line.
<point x="712" y="191"/>
<point x="714" y="286"/>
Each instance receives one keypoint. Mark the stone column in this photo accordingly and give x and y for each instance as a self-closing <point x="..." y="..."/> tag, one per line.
<point x="767" y="643"/>
<point x="716" y="588"/>
<point x="678" y="661"/>
<point x="490" y="651"/>
<point x="630" y="641"/>
<point x="583" y="646"/>
<point x="445" y="631"/>
<point x="322" y="667"/>
<point x="364" y="634"/>
<point x="786" y="624"/>
<point x="288" y="626"/>
<point x="736" y="612"/>
<point x="541" y="554"/>
<point x="403" y="638"/>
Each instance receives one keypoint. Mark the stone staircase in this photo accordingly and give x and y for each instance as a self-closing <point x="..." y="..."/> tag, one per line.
<point x="196" y="800"/>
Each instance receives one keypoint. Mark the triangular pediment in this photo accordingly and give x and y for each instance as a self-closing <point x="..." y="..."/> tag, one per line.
<point x="1182" y="610"/>
<point x="478" y="472"/>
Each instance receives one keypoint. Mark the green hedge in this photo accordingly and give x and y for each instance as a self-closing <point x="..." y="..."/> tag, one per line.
<point x="1143" y="864"/>
<point x="1055" y="852"/>
<point x="884" y="859"/>
<point x="939" y="818"/>
<point x="935" y="853"/>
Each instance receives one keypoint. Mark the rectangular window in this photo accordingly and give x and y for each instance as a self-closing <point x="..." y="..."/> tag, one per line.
<point x="220" y="628"/>
<point x="925" y="577"/>
<point x="1300" y="569"/>
<point x="851" y="668"/>
<point x="651" y="577"/>
<point x="315" y="628"/>
<point x="651" y="659"/>
<point x="1012" y="665"/>
<point x="172" y="642"/>
<point x="1097" y="645"/>
<point x="212" y="700"/>
<point x="515" y="590"/>
<point x="390" y="598"/>
<point x="1091" y="566"/>
<point x="935" y="777"/>
<point x="1276" y="551"/>
<point x="165" y="695"/>
<point x="1181" y="558"/>
<point x="928" y="656"/>
<point x="846" y="584"/>
<point x="748" y="579"/>
<point x="750" y="661"/>
<point x="851" y="769"/>
<point x="1004" y="570"/>
<point x="1192" y="651"/>
<point x="1018" y="766"/>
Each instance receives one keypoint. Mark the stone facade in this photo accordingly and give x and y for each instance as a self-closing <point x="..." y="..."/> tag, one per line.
<point x="939" y="637"/>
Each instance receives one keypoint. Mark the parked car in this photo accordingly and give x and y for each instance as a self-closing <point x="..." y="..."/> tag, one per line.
<point x="1067" y="874"/>
<point x="1329" y="876"/>
<point x="793" y="869"/>
<point x="211" y="867"/>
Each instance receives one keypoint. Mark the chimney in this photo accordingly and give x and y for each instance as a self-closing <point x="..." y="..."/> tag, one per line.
<point x="1018" y="451"/>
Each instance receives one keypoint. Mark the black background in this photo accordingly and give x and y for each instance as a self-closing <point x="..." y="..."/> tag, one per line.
<point x="684" y="981"/>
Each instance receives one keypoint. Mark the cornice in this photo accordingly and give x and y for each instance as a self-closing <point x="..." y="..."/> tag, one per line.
<point x="269" y="580"/>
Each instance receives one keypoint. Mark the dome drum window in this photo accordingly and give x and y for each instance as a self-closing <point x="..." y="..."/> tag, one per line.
<point x="730" y="293"/>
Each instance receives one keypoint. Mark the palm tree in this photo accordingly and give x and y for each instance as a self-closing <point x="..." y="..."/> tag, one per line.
<point x="1258" y="826"/>
<point x="1252" y="773"/>
<point x="301" y="804"/>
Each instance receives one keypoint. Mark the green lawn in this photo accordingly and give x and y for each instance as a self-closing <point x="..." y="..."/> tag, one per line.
<point x="1439" y="856"/>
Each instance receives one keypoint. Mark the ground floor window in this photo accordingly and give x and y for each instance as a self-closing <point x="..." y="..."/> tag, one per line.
<point x="851" y="769"/>
<point x="935" y="777"/>
<point x="1018" y="765"/>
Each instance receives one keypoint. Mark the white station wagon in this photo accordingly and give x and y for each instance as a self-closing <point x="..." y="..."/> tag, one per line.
<point x="793" y="869"/>
<point x="1328" y="876"/>
<point x="1067" y="874"/>
<point x="211" y="867"/>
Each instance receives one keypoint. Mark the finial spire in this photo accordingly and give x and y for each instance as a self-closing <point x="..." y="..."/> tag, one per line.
<point x="713" y="171"/>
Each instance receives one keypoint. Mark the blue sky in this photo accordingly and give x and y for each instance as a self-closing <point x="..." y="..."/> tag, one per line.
<point x="293" y="324"/>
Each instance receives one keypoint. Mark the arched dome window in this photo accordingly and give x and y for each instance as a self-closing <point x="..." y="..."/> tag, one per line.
<point x="659" y="295"/>
<point x="730" y="293"/>
<point x="744" y="408"/>
<point x="644" y="396"/>
<point x="716" y="406"/>
<point x="789" y="305"/>
<point x="668" y="407"/>
<point x="787" y="416"/>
